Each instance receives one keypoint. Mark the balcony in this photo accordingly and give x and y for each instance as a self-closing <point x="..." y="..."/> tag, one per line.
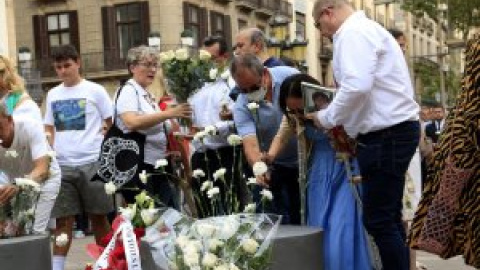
<point x="247" y="5"/>
<point x="223" y="1"/>
<point x="266" y="8"/>
<point x="286" y="9"/>
<point x="93" y="65"/>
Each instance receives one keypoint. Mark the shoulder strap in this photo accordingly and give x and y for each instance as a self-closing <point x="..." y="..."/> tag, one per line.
<point x="116" y="99"/>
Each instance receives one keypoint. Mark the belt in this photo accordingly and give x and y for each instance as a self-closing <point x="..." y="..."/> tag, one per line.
<point x="386" y="131"/>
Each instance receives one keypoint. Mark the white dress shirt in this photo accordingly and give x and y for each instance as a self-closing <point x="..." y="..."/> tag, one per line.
<point x="207" y="104"/>
<point x="374" y="86"/>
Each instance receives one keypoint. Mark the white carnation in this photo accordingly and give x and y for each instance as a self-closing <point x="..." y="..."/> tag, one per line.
<point x="252" y="181"/>
<point x="213" y="73"/>
<point x="161" y="163"/>
<point x="191" y="258"/>
<point x="61" y="240"/>
<point x="205" y="229"/>
<point x="199" y="136"/>
<point x="26" y="183"/>
<point x="143" y="176"/>
<point x="128" y="212"/>
<point x="212" y="192"/>
<point x="148" y="216"/>
<point x="222" y="267"/>
<point x="198" y="173"/>
<point x="225" y="75"/>
<point x="181" y="54"/>
<point x="110" y="188"/>
<point x="209" y="260"/>
<point x="204" y="55"/>
<point x="253" y="106"/>
<point x="219" y="174"/>
<point x="259" y="168"/>
<point x="214" y="244"/>
<point x="250" y="208"/>
<point x="206" y="185"/>
<point x="266" y="194"/>
<point x="182" y="241"/>
<point x="250" y="245"/>
<point x="210" y="130"/>
<point x="234" y="140"/>
<point x="233" y="267"/>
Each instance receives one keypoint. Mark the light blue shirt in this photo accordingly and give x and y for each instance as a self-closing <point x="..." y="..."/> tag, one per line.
<point x="270" y="117"/>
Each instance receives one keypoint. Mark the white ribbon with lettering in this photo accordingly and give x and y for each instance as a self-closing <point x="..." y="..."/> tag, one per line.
<point x="132" y="253"/>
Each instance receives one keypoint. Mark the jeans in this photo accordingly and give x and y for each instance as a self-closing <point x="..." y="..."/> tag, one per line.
<point x="384" y="157"/>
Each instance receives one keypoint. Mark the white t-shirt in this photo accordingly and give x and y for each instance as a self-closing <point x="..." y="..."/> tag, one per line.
<point x="77" y="114"/>
<point x="142" y="103"/>
<point x="28" y="109"/>
<point x="29" y="143"/>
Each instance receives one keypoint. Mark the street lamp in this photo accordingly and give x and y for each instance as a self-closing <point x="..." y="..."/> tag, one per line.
<point x="155" y="40"/>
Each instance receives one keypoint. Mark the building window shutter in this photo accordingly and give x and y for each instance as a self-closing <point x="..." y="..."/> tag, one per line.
<point x="227" y="26"/>
<point x="186" y="14"/>
<point x="74" y="36"/>
<point x="203" y="25"/>
<point x="110" y="43"/>
<point x="145" y="23"/>
<point x="41" y="36"/>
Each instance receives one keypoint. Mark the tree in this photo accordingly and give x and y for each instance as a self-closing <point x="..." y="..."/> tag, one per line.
<point x="462" y="15"/>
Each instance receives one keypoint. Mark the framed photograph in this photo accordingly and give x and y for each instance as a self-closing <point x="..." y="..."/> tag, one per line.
<point x="315" y="96"/>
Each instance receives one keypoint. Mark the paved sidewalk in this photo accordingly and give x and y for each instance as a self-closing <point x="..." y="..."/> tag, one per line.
<point x="78" y="258"/>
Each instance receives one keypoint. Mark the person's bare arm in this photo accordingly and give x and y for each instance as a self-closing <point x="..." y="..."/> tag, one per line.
<point x="7" y="192"/>
<point x="135" y="121"/>
<point x="50" y="131"/>
<point x="41" y="169"/>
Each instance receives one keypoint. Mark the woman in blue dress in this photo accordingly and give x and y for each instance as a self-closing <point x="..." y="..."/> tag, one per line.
<point x="330" y="201"/>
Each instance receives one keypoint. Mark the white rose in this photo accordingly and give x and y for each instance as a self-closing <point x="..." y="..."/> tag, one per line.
<point x="259" y="168"/>
<point x="214" y="244"/>
<point x="206" y="185"/>
<point x="182" y="241"/>
<point x="234" y="140"/>
<point x="252" y="181"/>
<point x="161" y="163"/>
<point x="213" y="73"/>
<point x="191" y="258"/>
<point x="148" y="216"/>
<point x="198" y="173"/>
<point x="61" y="240"/>
<point x="225" y="75"/>
<point x="210" y="130"/>
<point x="250" y="208"/>
<point x="181" y="54"/>
<point x="219" y="174"/>
<point x="212" y="192"/>
<point x="253" y="106"/>
<point x="204" y="55"/>
<point x="11" y="153"/>
<point x="166" y="56"/>
<point x="127" y="212"/>
<point x="205" y="229"/>
<point x="143" y="176"/>
<point x="209" y="260"/>
<point x="250" y="245"/>
<point x="266" y="194"/>
<point x="110" y="188"/>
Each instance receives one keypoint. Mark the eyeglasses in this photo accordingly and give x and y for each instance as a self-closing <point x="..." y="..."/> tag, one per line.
<point x="323" y="11"/>
<point x="148" y="64"/>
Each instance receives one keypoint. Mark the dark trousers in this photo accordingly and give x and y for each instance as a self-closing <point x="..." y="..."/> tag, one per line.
<point x="210" y="161"/>
<point x="384" y="157"/>
<point x="160" y="186"/>
<point x="286" y="194"/>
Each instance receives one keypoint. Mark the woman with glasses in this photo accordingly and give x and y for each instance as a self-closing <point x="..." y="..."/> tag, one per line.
<point x="137" y="110"/>
<point x="330" y="199"/>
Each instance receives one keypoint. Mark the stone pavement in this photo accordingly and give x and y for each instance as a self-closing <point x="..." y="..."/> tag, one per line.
<point x="78" y="258"/>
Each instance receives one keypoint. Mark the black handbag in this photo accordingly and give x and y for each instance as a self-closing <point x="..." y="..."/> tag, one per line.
<point x="121" y="154"/>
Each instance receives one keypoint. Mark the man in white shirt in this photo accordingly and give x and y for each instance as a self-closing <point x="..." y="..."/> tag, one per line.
<point x="207" y="105"/>
<point x="32" y="159"/>
<point x="76" y="111"/>
<point x="375" y="104"/>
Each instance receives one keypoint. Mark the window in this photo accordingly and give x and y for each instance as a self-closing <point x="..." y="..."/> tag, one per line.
<point x="220" y="25"/>
<point x="54" y="29"/>
<point x="300" y="25"/>
<point x="195" y="19"/>
<point x="129" y="28"/>
<point x="124" y="26"/>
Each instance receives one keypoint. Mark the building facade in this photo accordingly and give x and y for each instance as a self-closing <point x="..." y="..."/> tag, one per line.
<point x="7" y="29"/>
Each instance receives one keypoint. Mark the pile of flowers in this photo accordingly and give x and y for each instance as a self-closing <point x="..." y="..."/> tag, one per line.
<point x="241" y="241"/>
<point x="186" y="73"/>
<point x="18" y="215"/>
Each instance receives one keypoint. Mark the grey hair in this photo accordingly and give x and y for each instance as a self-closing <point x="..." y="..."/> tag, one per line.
<point x="136" y="54"/>
<point x="246" y="61"/>
<point x="319" y="4"/>
<point x="258" y="36"/>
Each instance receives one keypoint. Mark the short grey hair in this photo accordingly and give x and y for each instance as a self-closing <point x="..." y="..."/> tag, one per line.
<point x="137" y="54"/>
<point x="319" y="4"/>
<point x="246" y="61"/>
<point x="258" y="36"/>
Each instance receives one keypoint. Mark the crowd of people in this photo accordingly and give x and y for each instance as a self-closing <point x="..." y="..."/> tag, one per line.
<point x="364" y="221"/>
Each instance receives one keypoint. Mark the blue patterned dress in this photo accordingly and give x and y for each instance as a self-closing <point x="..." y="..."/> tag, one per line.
<point x="332" y="207"/>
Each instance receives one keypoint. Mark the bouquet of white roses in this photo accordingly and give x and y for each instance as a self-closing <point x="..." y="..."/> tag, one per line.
<point x="17" y="216"/>
<point x="241" y="241"/>
<point x="185" y="73"/>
